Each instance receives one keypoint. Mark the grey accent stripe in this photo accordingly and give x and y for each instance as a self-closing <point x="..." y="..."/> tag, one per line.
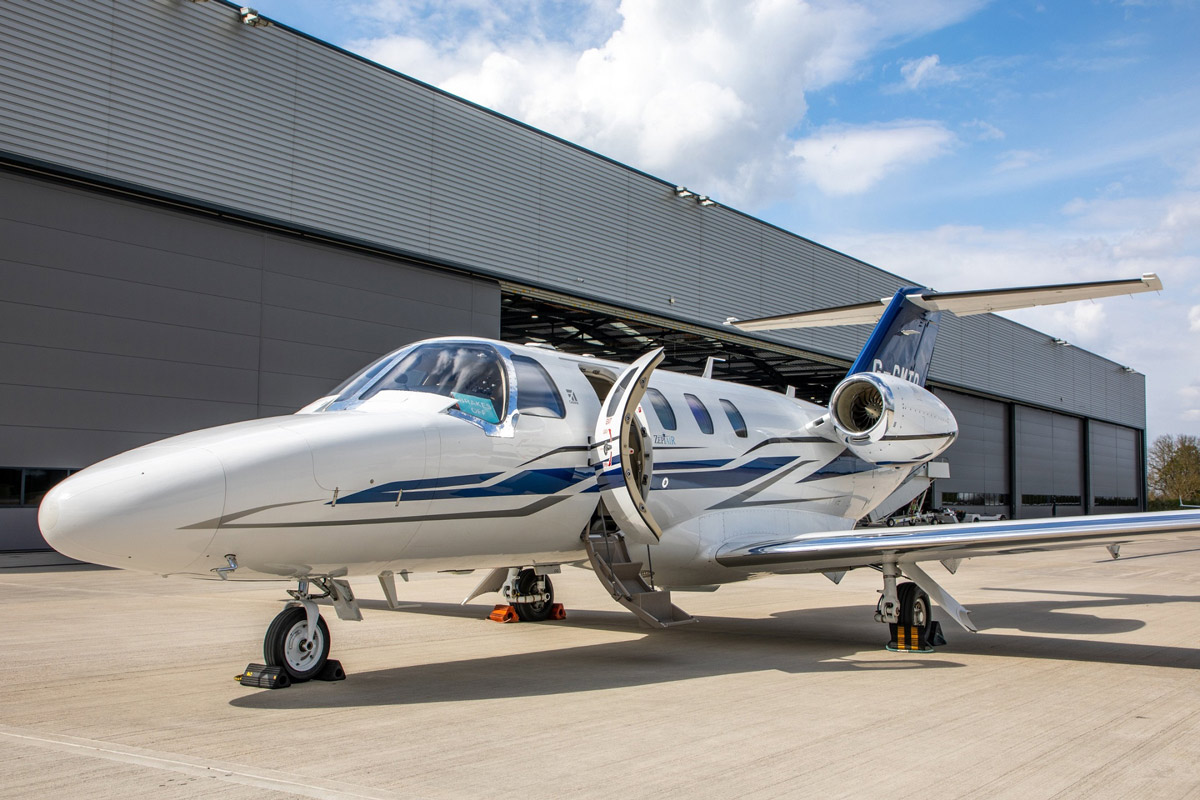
<point x="213" y="523"/>
<point x="741" y="498"/>
<point x="571" y="448"/>
<point x="789" y="440"/>
<point x="524" y="511"/>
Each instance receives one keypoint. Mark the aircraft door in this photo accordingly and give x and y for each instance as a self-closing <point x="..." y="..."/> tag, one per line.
<point x="623" y="452"/>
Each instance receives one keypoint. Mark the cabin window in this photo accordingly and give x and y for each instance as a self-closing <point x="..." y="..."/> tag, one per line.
<point x="666" y="414"/>
<point x="703" y="418"/>
<point x="472" y="374"/>
<point x="537" y="395"/>
<point x="735" y="419"/>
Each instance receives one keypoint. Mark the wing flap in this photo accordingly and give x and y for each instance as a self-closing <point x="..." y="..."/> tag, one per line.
<point x="817" y="552"/>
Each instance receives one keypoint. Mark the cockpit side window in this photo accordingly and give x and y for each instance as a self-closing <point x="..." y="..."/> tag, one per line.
<point x="472" y="374"/>
<point x="537" y="395"/>
<point x="354" y="384"/>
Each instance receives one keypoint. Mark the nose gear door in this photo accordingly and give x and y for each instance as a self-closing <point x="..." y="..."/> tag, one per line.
<point x="623" y="452"/>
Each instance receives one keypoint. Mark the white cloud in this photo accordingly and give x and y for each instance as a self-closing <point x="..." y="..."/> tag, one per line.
<point x="705" y="93"/>
<point x="927" y="71"/>
<point x="1019" y="159"/>
<point x="1194" y="319"/>
<point x="983" y="131"/>
<point x="847" y="160"/>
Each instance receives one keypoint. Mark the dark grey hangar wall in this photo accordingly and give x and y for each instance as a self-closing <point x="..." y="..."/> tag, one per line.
<point x="239" y="126"/>
<point x="122" y="323"/>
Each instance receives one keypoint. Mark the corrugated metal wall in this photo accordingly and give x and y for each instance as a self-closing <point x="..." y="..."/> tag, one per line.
<point x="181" y="97"/>
<point x="123" y="322"/>
<point x="979" y="459"/>
<point x="1116" y="467"/>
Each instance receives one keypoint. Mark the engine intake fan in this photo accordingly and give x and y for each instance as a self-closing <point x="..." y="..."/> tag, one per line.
<point x="885" y="419"/>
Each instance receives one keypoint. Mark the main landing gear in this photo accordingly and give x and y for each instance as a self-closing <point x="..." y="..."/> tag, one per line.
<point x="528" y="594"/>
<point x="531" y="594"/>
<point x="905" y="607"/>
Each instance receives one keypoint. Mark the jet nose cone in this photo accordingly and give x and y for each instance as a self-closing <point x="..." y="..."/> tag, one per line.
<point x="152" y="509"/>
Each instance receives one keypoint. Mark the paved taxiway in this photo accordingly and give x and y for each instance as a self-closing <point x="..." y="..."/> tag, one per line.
<point x="1085" y="682"/>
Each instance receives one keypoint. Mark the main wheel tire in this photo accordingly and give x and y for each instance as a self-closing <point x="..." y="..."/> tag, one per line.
<point x="891" y="523"/>
<point x="538" y="611"/>
<point x="287" y="644"/>
<point x="914" y="606"/>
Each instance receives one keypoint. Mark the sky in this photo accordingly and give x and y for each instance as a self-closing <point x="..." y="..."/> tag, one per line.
<point x="962" y="144"/>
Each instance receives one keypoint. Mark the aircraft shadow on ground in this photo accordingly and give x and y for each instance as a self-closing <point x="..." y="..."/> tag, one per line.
<point x="798" y="642"/>
<point x="659" y="657"/>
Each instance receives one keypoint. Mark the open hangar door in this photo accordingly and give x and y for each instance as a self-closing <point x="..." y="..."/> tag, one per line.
<point x="584" y="327"/>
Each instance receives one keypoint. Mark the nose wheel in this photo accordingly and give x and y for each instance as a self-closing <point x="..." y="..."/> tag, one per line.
<point x="288" y="644"/>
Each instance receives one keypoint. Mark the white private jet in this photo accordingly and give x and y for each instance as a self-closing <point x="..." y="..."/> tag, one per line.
<point x="464" y="454"/>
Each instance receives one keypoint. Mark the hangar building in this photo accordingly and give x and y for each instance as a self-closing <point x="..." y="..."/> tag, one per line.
<point x="207" y="217"/>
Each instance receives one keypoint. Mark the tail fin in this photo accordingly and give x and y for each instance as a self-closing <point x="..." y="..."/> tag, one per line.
<point x="902" y="342"/>
<point x="907" y="325"/>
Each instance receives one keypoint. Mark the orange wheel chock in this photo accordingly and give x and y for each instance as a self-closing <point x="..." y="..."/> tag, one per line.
<point x="557" y="611"/>
<point x="502" y="613"/>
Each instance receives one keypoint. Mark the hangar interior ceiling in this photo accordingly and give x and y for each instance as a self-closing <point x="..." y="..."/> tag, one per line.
<point x="587" y="329"/>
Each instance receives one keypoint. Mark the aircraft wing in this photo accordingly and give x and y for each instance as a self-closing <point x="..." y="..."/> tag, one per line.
<point x="835" y="551"/>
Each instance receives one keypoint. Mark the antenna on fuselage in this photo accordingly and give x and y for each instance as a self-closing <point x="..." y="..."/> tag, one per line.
<point x="708" y="365"/>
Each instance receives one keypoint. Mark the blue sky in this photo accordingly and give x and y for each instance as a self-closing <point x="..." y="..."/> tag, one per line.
<point x="960" y="143"/>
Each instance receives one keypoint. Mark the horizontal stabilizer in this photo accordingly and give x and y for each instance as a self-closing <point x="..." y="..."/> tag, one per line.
<point x="960" y="303"/>
<point x="821" y="552"/>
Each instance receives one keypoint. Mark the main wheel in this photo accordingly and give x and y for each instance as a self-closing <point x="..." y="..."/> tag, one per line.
<point x="539" y="610"/>
<point x="914" y="606"/>
<point x="288" y="645"/>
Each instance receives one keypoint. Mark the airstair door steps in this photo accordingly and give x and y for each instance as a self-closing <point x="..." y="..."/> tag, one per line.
<point x="622" y="576"/>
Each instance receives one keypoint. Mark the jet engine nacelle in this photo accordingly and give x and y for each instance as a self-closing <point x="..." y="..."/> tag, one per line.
<point x="885" y="419"/>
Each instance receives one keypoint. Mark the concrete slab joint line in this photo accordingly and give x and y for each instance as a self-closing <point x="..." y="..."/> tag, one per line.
<point x="198" y="767"/>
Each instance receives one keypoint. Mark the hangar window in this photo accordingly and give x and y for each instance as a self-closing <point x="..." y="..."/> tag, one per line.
<point x="662" y="408"/>
<point x="735" y="419"/>
<point x="10" y="487"/>
<point x="703" y="418"/>
<point x="537" y="395"/>
<point x="472" y="374"/>
<point x="27" y="486"/>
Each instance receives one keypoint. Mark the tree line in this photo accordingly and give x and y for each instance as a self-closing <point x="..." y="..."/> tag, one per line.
<point x="1173" y="471"/>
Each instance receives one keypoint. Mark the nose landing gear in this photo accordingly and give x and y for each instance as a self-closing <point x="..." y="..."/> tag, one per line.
<point x="296" y="647"/>
<point x="288" y="644"/>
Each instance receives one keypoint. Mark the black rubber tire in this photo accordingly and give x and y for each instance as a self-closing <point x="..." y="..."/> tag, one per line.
<point x="282" y="630"/>
<point x="891" y="523"/>
<point x="914" y="606"/>
<point x="533" y="612"/>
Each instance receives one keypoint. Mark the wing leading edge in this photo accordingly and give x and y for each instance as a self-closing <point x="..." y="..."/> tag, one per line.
<point x="818" y="552"/>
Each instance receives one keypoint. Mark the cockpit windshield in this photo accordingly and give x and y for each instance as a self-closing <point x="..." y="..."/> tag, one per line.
<point x="472" y="374"/>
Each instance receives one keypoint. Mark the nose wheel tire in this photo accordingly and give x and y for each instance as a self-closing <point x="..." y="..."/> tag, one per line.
<point x="539" y="610"/>
<point x="288" y="645"/>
